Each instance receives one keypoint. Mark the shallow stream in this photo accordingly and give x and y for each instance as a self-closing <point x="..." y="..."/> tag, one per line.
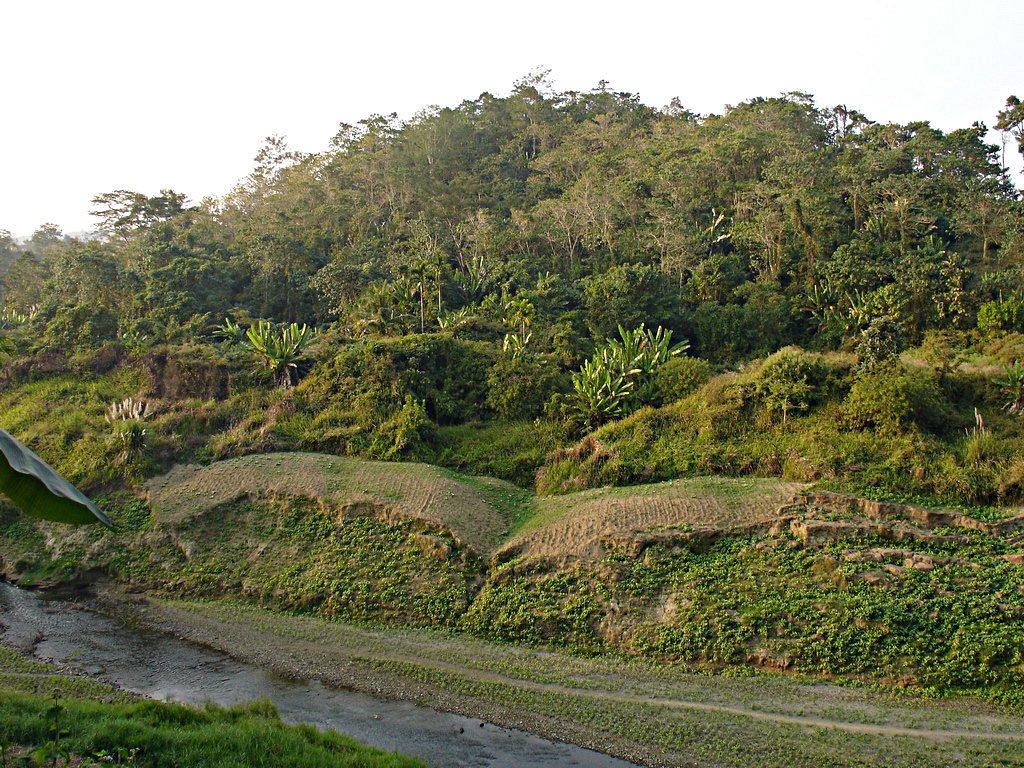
<point x="163" y="667"/>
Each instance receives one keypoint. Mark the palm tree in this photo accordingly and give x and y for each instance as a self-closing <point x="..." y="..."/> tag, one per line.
<point x="440" y="263"/>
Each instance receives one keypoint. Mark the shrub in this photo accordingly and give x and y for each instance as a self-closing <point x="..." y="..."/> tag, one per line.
<point x="999" y="317"/>
<point x="891" y="400"/>
<point x="518" y="388"/>
<point x="448" y="376"/>
<point x="880" y="343"/>
<point x="679" y="377"/>
<point x="790" y="380"/>
<point x="409" y="432"/>
<point x="80" y="328"/>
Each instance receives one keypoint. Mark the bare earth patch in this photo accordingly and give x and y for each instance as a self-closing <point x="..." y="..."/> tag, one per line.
<point x="408" y="490"/>
<point x="574" y="525"/>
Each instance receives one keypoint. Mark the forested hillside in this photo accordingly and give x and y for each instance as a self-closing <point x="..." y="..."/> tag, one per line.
<point x="454" y="277"/>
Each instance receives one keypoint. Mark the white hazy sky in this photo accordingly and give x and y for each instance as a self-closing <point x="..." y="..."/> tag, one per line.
<point x="100" y="95"/>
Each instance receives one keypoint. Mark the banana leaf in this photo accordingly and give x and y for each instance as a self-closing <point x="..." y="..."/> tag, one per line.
<point x="37" y="490"/>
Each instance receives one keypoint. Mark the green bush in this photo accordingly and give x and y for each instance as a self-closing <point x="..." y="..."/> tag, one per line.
<point x="722" y="333"/>
<point x="518" y="388"/>
<point x="1002" y="316"/>
<point x="80" y="328"/>
<point x="408" y="432"/>
<point x="891" y="400"/>
<point x="679" y="377"/>
<point x="880" y="343"/>
<point x="789" y="381"/>
<point x="447" y="375"/>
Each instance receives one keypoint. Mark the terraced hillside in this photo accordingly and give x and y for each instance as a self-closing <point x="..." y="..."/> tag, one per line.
<point x="574" y="525"/>
<point x="709" y="572"/>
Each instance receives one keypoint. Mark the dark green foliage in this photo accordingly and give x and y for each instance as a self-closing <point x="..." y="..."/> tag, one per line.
<point x="880" y="343"/>
<point x="447" y="375"/>
<point x="80" y="328"/>
<point x="628" y="296"/>
<point x="723" y="333"/>
<point x="518" y="388"/>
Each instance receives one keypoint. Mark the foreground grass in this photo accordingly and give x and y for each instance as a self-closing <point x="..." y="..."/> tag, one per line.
<point x="36" y="700"/>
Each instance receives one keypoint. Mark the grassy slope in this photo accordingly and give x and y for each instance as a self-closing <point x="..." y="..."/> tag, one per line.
<point x="770" y="601"/>
<point x="955" y="627"/>
<point x="98" y="719"/>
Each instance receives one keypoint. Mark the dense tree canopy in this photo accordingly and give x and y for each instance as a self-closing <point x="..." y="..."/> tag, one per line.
<point x="776" y="222"/>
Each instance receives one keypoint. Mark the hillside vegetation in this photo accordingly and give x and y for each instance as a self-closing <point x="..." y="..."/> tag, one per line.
<point x="559" y="368"/>
<point x="708" y="572"/>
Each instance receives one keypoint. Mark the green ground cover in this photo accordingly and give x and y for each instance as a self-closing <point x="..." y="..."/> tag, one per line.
<point x="48" y="717"/>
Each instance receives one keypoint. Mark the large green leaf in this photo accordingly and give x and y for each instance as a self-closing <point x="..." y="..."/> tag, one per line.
<point x="36" y="488"/>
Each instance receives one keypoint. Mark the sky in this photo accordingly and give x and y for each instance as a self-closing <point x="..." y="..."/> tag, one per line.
<point x="105" y="95"/>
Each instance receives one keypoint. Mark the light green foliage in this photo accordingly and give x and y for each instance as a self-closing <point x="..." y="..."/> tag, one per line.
<point x="231" y="332"/>
<point x="514" y="344"/>
<point x="600" y="391"/>
<point x="1012" y="385"/>
<point x="619" y="378"/>
<point x="1002" y="316"/>
<point x="93" y="725"/>
<point x="407" y="433"/>
<point x="280" y="349"/>
<point x="890" y="400"/>
<point x="789" y="381"/>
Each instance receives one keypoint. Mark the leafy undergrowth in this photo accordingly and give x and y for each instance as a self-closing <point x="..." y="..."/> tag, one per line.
<point x="954" y="628"/>
<point x="58" y="717"/>
<point x="943" y="615"/>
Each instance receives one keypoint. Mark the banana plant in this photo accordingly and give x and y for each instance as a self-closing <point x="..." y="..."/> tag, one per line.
<point x="38" y="490"/>
<point x="280" y="349"/>
<point x="514" y="344"/>
<point x="231" y="332"/>
<point x="599" y="393"/>
<point x="619" y="378"/>
<point x="1013" y="386"/>
<point x="453" y="321"/>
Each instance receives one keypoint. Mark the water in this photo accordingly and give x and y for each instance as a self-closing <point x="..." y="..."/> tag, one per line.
<point x="162" y="667"/>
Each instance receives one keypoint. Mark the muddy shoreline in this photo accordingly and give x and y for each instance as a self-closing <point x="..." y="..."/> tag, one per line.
<point x="358" y="689"/>
<point x="244" y="644"/>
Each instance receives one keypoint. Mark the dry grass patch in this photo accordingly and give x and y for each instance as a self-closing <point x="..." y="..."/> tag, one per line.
<point x="409" y="490"/>
<point x="574" y="524"/>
